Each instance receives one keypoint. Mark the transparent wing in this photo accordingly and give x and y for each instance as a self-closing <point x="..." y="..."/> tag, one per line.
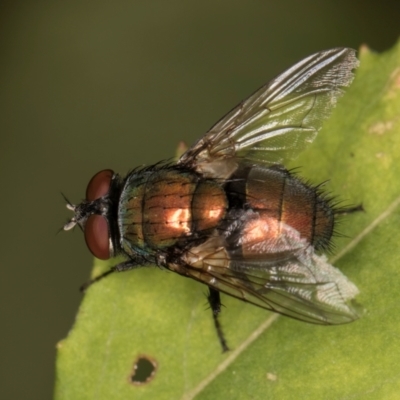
<point x="281" y="118"/>
<point x="283" y="275"/>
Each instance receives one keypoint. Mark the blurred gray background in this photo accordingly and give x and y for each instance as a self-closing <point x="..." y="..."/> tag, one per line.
<point x="88" y="85"/>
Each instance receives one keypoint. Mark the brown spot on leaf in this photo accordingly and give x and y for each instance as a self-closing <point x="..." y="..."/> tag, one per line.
<point x="394" y="84"/>
<point x="272" y="377"/>
<point x="144" y="370"/>
<point x="379" y="128"/>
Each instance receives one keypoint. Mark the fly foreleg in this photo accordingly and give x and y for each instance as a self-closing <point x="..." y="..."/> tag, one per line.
<point x="124" y="266"/>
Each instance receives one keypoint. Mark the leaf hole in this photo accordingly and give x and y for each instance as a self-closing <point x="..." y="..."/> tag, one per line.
<point x="144" y="369"/>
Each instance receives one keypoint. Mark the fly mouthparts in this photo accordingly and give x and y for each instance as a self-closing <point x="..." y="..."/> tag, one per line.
<point x="72" y="222"/>
<point x="69" y="225"/>
<point x="70" y="206"/>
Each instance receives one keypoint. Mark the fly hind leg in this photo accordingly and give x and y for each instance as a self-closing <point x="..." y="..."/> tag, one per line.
<point x="215" y="304"/>
<point x="349" y="210"/>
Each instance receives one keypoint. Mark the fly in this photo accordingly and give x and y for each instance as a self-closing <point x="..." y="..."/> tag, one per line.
<point x="228" y="213"/>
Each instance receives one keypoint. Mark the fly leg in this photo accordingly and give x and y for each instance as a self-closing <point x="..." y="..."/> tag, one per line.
<point x="213" y="297"/>
<point x="96" y="279"/>
<point x="124" y="266"/>
<point x="215" y="304"/>
<point x="349" y="210"/>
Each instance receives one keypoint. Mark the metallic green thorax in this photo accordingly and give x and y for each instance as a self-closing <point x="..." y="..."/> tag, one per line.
<point x="161" y="208"/>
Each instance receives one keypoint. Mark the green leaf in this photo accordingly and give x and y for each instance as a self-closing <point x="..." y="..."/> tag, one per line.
<point x="164" y="317"/>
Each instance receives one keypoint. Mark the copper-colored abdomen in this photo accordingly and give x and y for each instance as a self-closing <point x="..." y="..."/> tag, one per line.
<point x="280" y="197"/>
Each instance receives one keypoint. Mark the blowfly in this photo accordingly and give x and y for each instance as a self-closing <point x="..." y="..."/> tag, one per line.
<point x="228" y="213"/>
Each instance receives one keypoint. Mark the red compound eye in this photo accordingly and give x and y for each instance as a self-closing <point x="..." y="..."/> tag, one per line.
<point x="99" y="185"/>
<point x="97" y="236"/>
